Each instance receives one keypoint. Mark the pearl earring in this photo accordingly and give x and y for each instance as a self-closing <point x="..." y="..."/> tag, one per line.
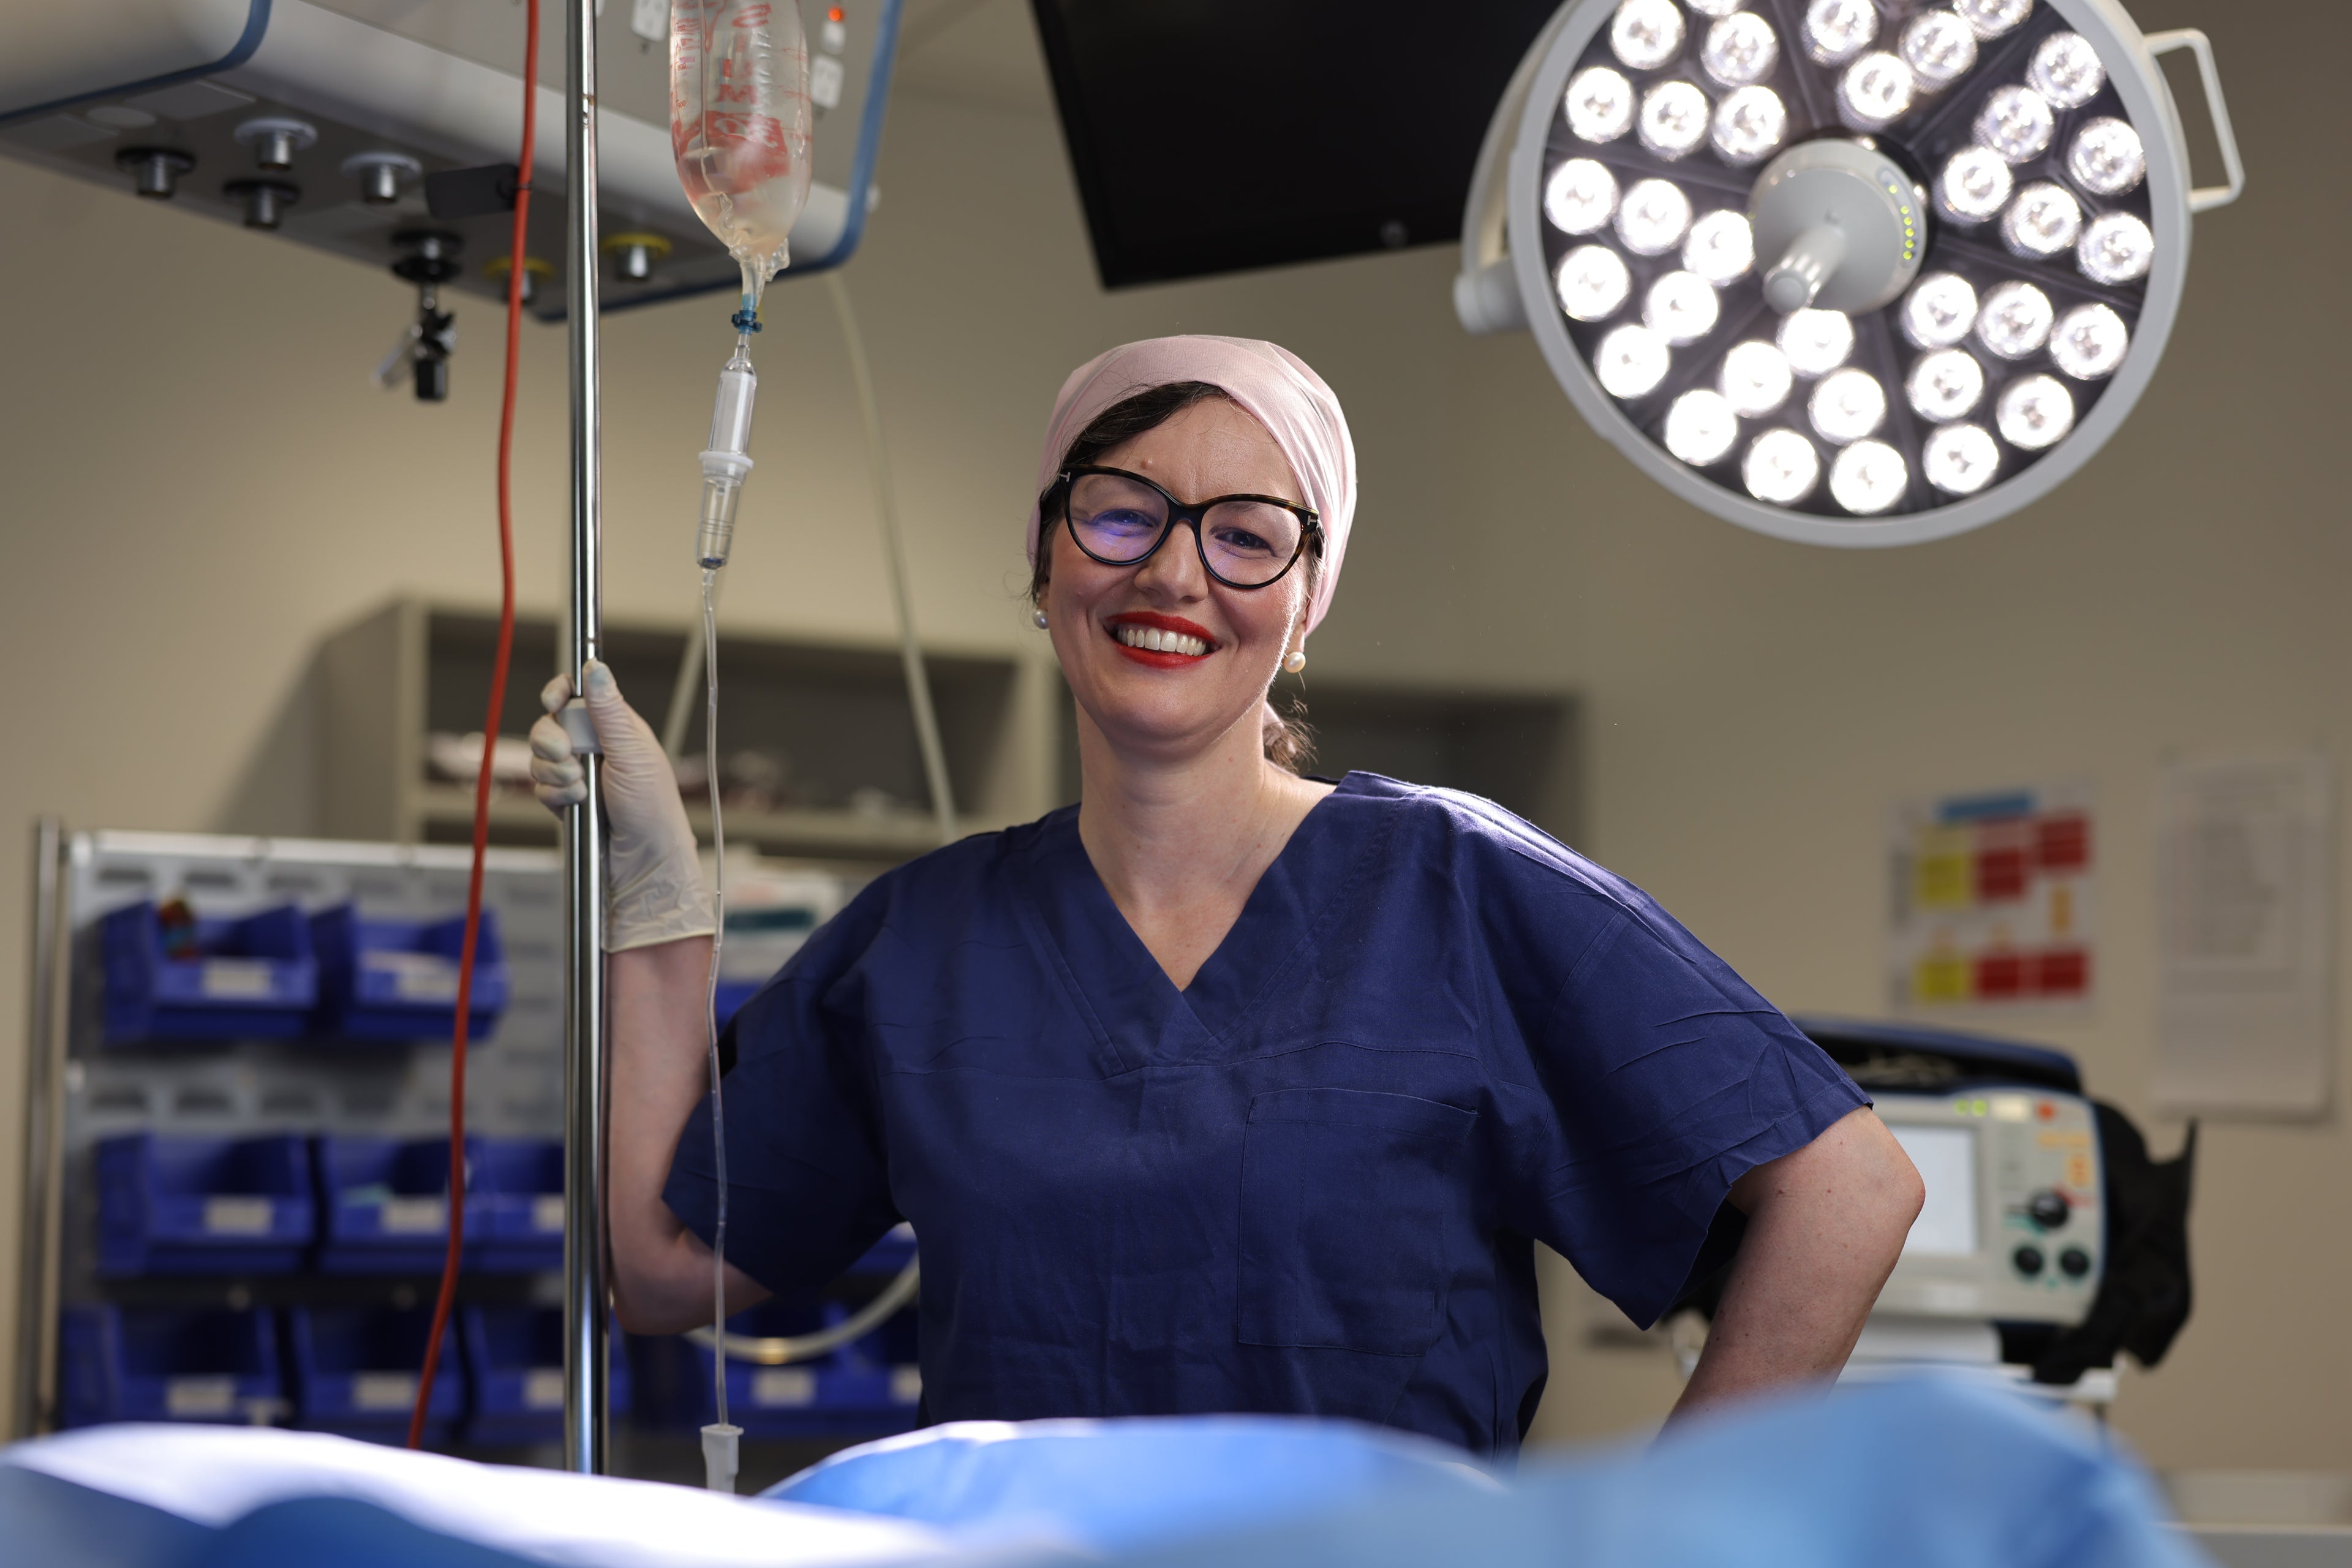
<point x="1042" y="621"/>
<point x="1295" y="660"/>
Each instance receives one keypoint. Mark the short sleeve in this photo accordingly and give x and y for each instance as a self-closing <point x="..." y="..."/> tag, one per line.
<point x="1670" y="1078"/>
<point x="807" y="1179"/>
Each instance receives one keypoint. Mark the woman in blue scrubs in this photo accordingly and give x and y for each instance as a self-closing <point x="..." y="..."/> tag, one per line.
<point x="1228" y="1089"/>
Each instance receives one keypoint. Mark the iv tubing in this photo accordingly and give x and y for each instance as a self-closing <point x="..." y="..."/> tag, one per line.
<point x="777" y="1351"/>
<point x="711" y="989"/>
<point x="451" y="1259"/>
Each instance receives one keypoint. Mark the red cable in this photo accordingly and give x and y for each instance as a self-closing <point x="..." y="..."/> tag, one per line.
<point x="515" y="275"/>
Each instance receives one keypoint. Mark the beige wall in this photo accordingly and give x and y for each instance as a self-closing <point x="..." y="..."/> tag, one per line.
<point x="199" y="483"/>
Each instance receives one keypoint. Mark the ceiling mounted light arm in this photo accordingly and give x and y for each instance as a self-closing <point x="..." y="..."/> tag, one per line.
<point x="1882" y="281"/>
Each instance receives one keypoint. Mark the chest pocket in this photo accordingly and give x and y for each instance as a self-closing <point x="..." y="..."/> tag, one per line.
<point x="1346" y="1196"/>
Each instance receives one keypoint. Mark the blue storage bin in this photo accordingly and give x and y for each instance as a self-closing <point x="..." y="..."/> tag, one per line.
<point x="354" y="1371"/>
<point x="383" y="1204"/>
<point x="153" y="1364"/>
<point x="514" y="1206"/>
<point x="252" y="978"/>
<point x="202" y="1205"/>
<point x="514" y="1365"/>
<point x="870" y="1387"/>
<point x="397" y="980"/>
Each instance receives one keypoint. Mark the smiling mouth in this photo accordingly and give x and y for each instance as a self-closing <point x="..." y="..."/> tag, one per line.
<point x="1158" y="639"/>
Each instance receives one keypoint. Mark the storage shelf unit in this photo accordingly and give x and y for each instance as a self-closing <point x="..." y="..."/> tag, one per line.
<point x="824" y="728"/>
<point x="248" y="1227"/>
<point x="1518" y="748"/>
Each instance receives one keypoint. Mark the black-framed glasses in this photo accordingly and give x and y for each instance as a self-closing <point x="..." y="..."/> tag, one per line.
<point x="1245" y="541"/>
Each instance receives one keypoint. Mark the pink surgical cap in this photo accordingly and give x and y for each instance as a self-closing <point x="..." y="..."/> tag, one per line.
<point x="1273" y="383"/>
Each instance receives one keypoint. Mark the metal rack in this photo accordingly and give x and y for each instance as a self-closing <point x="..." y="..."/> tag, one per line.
<point x="80" y="1090"/>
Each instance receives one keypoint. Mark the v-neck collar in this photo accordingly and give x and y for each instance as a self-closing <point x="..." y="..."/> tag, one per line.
<point x="1115" y="980"/>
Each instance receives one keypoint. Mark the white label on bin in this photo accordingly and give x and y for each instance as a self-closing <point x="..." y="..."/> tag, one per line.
<point x="236" y="979"/>
<point x="238" y="1215"/>
<point x="190" y="1398"/>
<point x="542" y="1388"/>
<point x="783" y="1385"/>
<point x="547" y="1211"/>
<point x="414" y="1216"/>
<point x="383" y="1390"/>
<point x="905" y="1384"/>
<point x="418" y="977"/>
<point x="825" y="76"/>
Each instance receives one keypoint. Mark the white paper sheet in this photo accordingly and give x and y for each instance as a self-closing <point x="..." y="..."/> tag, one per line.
<point x="2246" y="977"/>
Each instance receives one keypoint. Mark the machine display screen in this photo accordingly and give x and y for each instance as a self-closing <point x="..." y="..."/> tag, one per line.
<point x="1947" y="1159"/>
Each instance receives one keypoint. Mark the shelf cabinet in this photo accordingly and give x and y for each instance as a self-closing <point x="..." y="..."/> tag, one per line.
<point x="817" y="746"/>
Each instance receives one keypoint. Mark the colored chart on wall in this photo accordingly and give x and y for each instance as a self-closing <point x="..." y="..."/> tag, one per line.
<point x="1991" y="902"/>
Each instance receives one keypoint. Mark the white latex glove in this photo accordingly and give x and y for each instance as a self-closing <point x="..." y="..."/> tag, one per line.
<point x="655" y="888"/>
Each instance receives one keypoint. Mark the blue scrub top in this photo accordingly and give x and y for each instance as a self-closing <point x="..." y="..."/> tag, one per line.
<point x="1307" y="1183"/>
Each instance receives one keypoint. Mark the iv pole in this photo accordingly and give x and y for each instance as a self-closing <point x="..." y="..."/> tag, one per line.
<point x="586" y="1303"/>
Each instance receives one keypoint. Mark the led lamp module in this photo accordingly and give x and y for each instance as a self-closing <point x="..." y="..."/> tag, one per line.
<point x="1836" y="270"/>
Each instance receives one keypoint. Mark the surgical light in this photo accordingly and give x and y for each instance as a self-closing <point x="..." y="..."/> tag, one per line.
<point x="1593" y="282"/>
<point x="1701" y="428"/>
<point x="1945" y="384"/>
<point x="1876" y="90"/>
<point x="2035" y="412"/>
<point x="1750" y="123"/>
<point x="1841" y="272"/>
<point x="1939" y="48"/>
<point x="1939" y="311"/>
<point x="2016" y="122"/>
<point x="1681" y="307"/>
<point x="1580" y="196"/>
<point x="1960" y="460"/>
<point x="2015" y="322"/>
<point x="2066" y="70"/>
<point x="1846" y="405"/>
<point x="1756" y="379"/>
<point x="2043" y="220"/>
<point x="1816" y="341"/>
<point x="1975" y="184"/>
<point x="1868" y="477"/>
<point x="2107" y="159"/>
<point x="1837" y="30"/>
<point x="1781" y="467"/>
<point x="1721" y="247"/>
<point x="2116" y="248"/>
<point x="1600" y="104"/>
<point x="1673" y="118"/>
<point x="1646" y="34"/>
<point x="1991" y="18"/>
<point x="1654" y="217"/>
<point x="2089" y="341"/>
<point x="1741" y="49"/>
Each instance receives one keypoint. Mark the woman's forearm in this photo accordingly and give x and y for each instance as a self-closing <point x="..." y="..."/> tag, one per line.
<point x="661" y="1270"/>
<point x="1824" y="1227"/>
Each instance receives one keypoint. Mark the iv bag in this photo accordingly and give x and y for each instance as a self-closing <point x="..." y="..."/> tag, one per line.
<point x="739" y="123"/>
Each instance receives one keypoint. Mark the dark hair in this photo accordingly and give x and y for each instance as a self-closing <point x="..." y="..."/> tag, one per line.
<point x="1289" y="743"/>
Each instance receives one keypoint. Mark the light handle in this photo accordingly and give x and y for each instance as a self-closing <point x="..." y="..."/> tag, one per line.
<point x="2203" y="198"/>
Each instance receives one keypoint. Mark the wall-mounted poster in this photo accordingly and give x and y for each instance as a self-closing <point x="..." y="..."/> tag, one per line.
<point x="2246" y="979"/>
<point x="1992" y="901"/>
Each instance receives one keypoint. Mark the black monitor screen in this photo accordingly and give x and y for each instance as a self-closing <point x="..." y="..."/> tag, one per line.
<point x="1213" y="135"/>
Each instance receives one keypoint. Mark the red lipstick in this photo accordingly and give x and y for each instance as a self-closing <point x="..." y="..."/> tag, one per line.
<point x="1154" y="658"/>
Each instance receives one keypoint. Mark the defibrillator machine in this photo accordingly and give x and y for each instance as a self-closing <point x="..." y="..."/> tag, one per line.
<point x="2049" y="1241"/>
